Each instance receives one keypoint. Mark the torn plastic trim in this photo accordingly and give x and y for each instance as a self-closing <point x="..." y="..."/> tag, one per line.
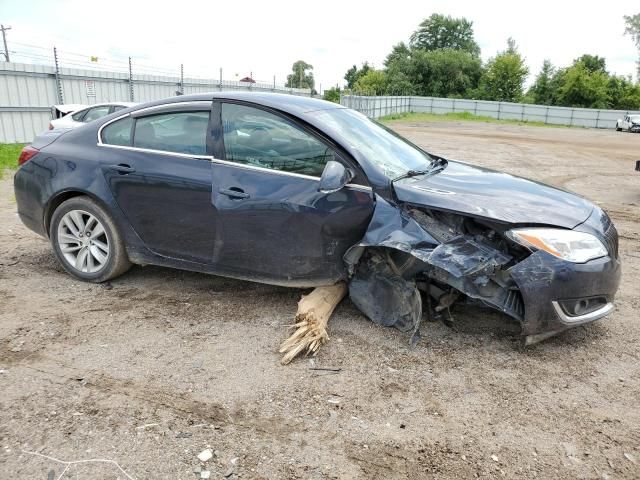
<point x="467" y="264"/>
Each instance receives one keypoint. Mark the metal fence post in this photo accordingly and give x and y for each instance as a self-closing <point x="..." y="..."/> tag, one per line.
<point x="130" y="81"/>
<point x="546" y="115"/>
<point x="181" y="79"/>
<point x="499" y="105"/>
<point x="475" y="107"/>
<point x="220" y="83"/>
<point x="597" y="118"/>
<point x="571" y="119"/>
<point x="58" y="81"/>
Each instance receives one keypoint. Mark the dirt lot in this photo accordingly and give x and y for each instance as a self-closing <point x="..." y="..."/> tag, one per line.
<point x="160" y="364"/>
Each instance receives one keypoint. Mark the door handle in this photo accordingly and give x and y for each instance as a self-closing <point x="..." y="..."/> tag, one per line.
<point x="234" y="192"/>
<point x="122" y="168"/>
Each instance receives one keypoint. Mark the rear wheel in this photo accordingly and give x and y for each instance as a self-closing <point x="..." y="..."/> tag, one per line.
<point x="86" y="241"/>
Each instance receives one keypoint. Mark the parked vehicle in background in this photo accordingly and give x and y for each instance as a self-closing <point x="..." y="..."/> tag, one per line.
<point x="88" y="114"/>
<point x="630" y="123"/>
<point x="59" y="111"/>
<point x="300" y="192"/>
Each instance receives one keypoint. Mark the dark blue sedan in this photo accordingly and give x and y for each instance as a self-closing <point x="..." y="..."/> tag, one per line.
<point x="300" y="192"/>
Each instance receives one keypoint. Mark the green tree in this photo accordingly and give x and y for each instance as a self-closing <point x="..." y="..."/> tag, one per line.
<point x="542" y="92"/>
<point x="399" y="83"/>
<point x="623" y="93"/>
<point x="354" y="73"/>
<point x="444" y="72"/>
<point x="399" y="53"/>
<point x="332" y="94"/>
<point x="593" y="63"/>
<point x="439" y="31"/>
<point x="632" y="28"/>
<point x="374" y="82"/>
<point x="504" y="76"/>
<point x="580" y="87"/>
<point x="400" y="68"/>
<point x="301" y="76"/>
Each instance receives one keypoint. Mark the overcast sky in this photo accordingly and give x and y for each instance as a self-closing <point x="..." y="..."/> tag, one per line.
<point x="266" y="37"/>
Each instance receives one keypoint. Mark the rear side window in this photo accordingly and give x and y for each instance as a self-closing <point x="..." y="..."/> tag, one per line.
<point x="78" y="115"/>
<point x="118" y="133"/>
<point x="96" y="113"/>
<point x="180" y="132"/>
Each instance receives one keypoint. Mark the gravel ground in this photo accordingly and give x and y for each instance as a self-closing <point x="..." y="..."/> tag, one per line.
<point x="157" y="366"/>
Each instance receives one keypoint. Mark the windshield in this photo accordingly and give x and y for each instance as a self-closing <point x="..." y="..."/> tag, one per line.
<point x="634" y="118"/>
<point x="388" y="150"/>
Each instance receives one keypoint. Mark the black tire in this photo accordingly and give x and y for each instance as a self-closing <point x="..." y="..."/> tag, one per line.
<point x="618" y="129"/>
<point x="116" y="263"/>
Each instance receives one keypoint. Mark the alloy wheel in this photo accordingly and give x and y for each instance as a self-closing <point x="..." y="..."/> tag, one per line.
<point x="83" y="241"/>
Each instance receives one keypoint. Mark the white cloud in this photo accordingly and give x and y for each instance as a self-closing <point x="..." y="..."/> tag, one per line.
<point x="267" y="37"/>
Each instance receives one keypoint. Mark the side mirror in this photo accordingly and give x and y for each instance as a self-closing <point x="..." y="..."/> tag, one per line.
<point x="334" y="177"/>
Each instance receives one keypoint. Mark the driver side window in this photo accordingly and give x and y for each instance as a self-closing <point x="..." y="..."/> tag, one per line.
<point x="259" y="138"/>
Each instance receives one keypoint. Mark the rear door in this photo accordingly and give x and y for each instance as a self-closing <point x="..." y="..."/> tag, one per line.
<point x="159" y="170"/>
<point x="272" y="222"/>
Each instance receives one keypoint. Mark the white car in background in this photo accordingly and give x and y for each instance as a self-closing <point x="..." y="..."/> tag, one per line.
<point x="88" y="114"/>
<point x="630" y="123"/>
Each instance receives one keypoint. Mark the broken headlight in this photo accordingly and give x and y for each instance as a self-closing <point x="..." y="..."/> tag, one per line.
<point x="569" y="245"/>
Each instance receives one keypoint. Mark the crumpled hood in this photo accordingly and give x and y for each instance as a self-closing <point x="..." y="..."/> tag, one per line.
<point x="481" y="192"/>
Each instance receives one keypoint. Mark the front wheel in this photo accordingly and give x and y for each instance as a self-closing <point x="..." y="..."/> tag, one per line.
<point x="86" y="241"/>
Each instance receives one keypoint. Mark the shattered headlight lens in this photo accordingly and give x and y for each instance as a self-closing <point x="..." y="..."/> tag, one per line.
<point x="577" y="247"/>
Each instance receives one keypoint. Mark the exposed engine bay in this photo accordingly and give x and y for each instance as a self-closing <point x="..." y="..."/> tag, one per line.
<point x="423" y="261"/>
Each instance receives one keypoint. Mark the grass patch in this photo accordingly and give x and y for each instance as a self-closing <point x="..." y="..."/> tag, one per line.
<point x="463" y="116"/>
<point x="9" y="153"/>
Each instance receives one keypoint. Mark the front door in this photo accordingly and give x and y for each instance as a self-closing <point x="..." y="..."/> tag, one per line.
<point x="159" y="170"/>
<point x="272" y="222"/>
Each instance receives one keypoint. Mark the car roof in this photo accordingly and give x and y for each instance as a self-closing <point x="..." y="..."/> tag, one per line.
<point x="126" y="104"/>
<point x="293" y="104"/>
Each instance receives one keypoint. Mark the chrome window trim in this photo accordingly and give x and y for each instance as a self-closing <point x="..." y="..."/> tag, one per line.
<point x="282" y="172"/>
<point x="587" y="317"/>
<point x="160" y="152"/>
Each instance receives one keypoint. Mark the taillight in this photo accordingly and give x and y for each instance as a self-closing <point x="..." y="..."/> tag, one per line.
<point x="27" y="154"/>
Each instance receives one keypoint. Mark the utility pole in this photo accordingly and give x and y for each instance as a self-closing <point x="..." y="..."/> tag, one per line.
<point x="4" y="40"/>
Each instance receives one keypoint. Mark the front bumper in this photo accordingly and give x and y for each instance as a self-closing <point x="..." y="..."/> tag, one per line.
<point x="545" y="282"/>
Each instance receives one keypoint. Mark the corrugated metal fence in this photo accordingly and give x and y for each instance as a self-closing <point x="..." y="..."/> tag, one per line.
<point x="27" y="93"/>
<point x="376" y="107"/>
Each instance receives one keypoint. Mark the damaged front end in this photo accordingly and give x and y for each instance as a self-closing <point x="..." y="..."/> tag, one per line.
<point x="408" y="249"/>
